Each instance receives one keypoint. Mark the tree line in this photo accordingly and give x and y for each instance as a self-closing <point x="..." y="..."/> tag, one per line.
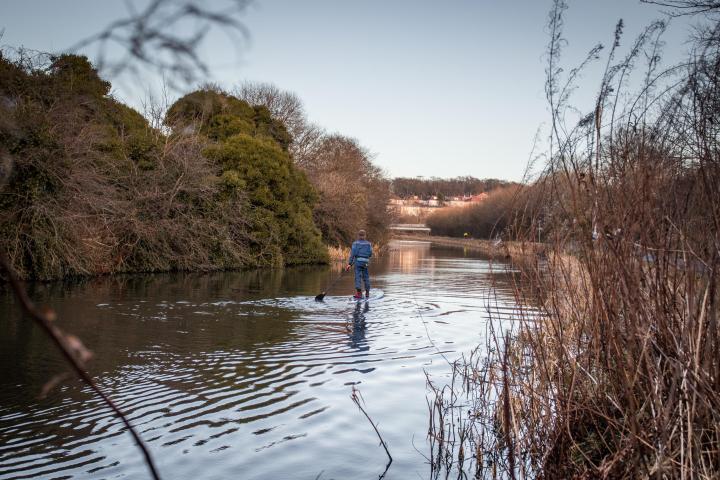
<point x="486" y="219"/>
<point x="406" y="187"/>
<point x="216" y="180"/>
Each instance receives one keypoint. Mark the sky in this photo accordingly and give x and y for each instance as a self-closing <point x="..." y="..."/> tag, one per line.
<point x="430" y="88"/>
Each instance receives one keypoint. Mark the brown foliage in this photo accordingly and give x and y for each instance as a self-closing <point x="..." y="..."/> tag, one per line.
<point x="617" y="373"/>
<point x="443" y="188"/>
<point x="354" y="193"/>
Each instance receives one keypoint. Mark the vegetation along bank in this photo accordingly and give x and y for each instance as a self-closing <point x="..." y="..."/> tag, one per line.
<point x="90" y="186"/>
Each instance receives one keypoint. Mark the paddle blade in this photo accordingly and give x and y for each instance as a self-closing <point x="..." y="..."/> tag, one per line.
<point x="319" y="298"/>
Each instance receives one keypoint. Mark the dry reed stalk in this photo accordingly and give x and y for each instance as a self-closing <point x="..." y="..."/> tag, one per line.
<point x="619" y="373"/>
<point x="338" y="253"/>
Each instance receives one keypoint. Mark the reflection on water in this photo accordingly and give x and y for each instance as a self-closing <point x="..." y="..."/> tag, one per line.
<point x="357" y="328"/>
<point x="242" y="374"/>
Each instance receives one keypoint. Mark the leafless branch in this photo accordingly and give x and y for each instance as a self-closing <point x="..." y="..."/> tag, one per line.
<point x="356" y="397"/>
<point x="165" y="36"/>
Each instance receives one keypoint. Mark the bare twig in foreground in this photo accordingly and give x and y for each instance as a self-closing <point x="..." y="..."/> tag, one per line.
<point x="74" y="352"/>
<point x="356" y="399"/>
<point x="165" y="36"/>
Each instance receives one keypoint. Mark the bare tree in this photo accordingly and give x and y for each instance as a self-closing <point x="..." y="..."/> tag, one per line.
<point x="283" y="105"/>
<point x="288" y="108"/>
<point x="354" y="192"/>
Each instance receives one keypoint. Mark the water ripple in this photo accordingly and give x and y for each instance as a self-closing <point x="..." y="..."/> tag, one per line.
<point x="220" y="382"/>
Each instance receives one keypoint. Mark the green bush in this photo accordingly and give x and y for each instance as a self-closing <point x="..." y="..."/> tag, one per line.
<point x="250" y="148"/>
<point x="280" y="196"/>
<point x="219" y="116"/>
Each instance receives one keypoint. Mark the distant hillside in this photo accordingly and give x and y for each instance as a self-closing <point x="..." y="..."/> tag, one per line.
<point x="442" y="188"/>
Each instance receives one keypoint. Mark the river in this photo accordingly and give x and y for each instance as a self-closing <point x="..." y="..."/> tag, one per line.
<point x="242" y="374"/>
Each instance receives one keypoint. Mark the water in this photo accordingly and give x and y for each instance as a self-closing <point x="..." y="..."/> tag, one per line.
<point x="241" y="374"/>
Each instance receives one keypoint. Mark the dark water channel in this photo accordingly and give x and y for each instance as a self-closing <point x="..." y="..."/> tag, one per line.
<point x="241" y="374"/>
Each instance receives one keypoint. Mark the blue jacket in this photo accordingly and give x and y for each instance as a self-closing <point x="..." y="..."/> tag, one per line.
<point x="361" y="252"/>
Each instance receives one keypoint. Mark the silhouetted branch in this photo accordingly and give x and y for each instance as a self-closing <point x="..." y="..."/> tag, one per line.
<point x="686" y="7"/>
<point x="356" y="399"/>
<point x="165" y="36"/>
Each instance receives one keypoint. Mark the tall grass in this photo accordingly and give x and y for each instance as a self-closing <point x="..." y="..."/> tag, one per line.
<point x="618" y="374"/>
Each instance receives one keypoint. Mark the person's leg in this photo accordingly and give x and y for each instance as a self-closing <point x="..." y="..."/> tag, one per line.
<point x="366" y="281"/>
<point x="358" y="279"/>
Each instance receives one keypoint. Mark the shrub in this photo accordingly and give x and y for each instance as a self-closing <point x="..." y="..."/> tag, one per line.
<point x="92" y="188"/>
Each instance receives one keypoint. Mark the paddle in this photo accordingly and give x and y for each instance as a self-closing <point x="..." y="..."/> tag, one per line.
<point x="319" y="297"/>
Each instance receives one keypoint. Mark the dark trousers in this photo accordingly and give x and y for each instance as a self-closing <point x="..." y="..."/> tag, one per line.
<point x="362" y="275"/>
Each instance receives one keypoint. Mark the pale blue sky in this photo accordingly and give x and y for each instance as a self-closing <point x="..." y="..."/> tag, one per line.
<point x="432" y="88"/>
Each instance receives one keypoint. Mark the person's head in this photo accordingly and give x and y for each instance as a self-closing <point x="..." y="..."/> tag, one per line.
<point x="362" y="235"/>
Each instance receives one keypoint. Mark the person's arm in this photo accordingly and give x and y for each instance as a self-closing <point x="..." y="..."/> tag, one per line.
<point x="371" y="251"/>
<point x="351" y="259"/>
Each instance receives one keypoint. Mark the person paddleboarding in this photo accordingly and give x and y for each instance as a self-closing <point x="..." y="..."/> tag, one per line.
<point x="360" y="254"/>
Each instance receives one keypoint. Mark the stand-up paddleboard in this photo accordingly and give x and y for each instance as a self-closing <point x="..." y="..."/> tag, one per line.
<point x="374" y="295"/>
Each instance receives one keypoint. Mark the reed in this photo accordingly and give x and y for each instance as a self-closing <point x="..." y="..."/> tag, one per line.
<point x="616" y="372"/>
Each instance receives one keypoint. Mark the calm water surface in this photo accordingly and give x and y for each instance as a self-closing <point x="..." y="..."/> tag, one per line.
<point x="241" y="374"/>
